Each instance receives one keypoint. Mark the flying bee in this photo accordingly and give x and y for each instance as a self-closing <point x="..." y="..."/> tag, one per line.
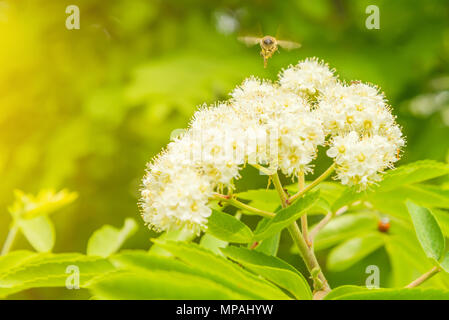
<point x="269" y="45"/>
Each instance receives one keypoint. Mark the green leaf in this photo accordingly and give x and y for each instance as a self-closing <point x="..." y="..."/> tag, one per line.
<point x="385" y="203"/>
<point x="321" y="206"/>
<point x="108" y="239"/>
<point x="427" y="230"/>
<point x="269" y="245"/>
<point x="286" y="216"/>
<point x="344" y="227"/>
<point x="139" y="261"/>
<point x="184" y="234"/>
<point x="266" y="199"/>
<point x="425" y="195"/>
<point x="353" y="250"/>
<point x="223" y="271"/>
<point x="442" y="217"/>
<point x="227" y="228"/>
<point x="329" y="193"/>
<point x="162" y="285"/>
<point x="362" y="293"/>
<point x="347" y="197"/>
<point x="407" y="259"/>
<point x="412" y="173"/>
<point x="21" y="270"/>
<point x="269" y="199"/>
<point x="260" y="195"/>
<point x="13" y="259"/>
<point x="273" y="269"/>
<point x="142" y="260"/>
<point x="39" y="232"/>
<point x="208" y="241"/>
<point x="445" y="262"/>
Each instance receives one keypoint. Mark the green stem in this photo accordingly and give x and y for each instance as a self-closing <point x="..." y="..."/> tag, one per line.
<point x="267" y="171"/>
<point x="312" y="185"/>
<point x="10" y="239"/>
<point x="308" y="256"/>
<point x="320" y="226"/>
<point x="234" y="202"/>
<point x="306" y="252"/>
<point x="280" y="189"/>
<point x="304" y="223"/>
<point x="424" y="277"/>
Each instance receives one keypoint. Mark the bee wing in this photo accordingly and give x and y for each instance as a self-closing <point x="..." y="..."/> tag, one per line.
<point x="289" y="45"/>
<point x="249" y="41"/>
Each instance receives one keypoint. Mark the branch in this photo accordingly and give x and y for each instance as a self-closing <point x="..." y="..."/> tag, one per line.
<point x="229" y="199"/>
<point x="304" y="223"/>
<point x="312" y="185"/>
<point x="325" y="221"/>
<point x="267" y="171"/>
<point x="320" y="226"/>
<point x="424" y="277"/>
<point x="10" y="239"/>
<point x="280" y="189"/>
<point x="319" y="280"/>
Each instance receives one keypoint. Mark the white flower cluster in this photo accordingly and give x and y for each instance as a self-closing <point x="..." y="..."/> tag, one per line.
<point x="365" y="139"/>
<point x="279" y="125"/>
<point x="360" y="159"/>
<point x="308" y="77"/>
<point x="292" y="130"/>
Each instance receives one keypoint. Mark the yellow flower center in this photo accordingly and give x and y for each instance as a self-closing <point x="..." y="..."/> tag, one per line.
<point x="293" y="158"/>
<point x="367" y="124"/>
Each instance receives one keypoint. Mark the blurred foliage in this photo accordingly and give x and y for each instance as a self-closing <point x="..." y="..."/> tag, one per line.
<point x="28" y="206"/>
<point x="86" y="109"/>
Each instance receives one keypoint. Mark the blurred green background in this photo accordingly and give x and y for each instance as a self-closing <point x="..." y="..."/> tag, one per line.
<point x="86" y="109"/>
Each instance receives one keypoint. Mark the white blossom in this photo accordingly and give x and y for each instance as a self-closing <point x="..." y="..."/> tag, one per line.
<point x="174" y="193"/>
<point x="279" y="125"/>
<point x="308" y="77"/>
<point x="356" y="107"/>
<point x="361" y="160"/>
